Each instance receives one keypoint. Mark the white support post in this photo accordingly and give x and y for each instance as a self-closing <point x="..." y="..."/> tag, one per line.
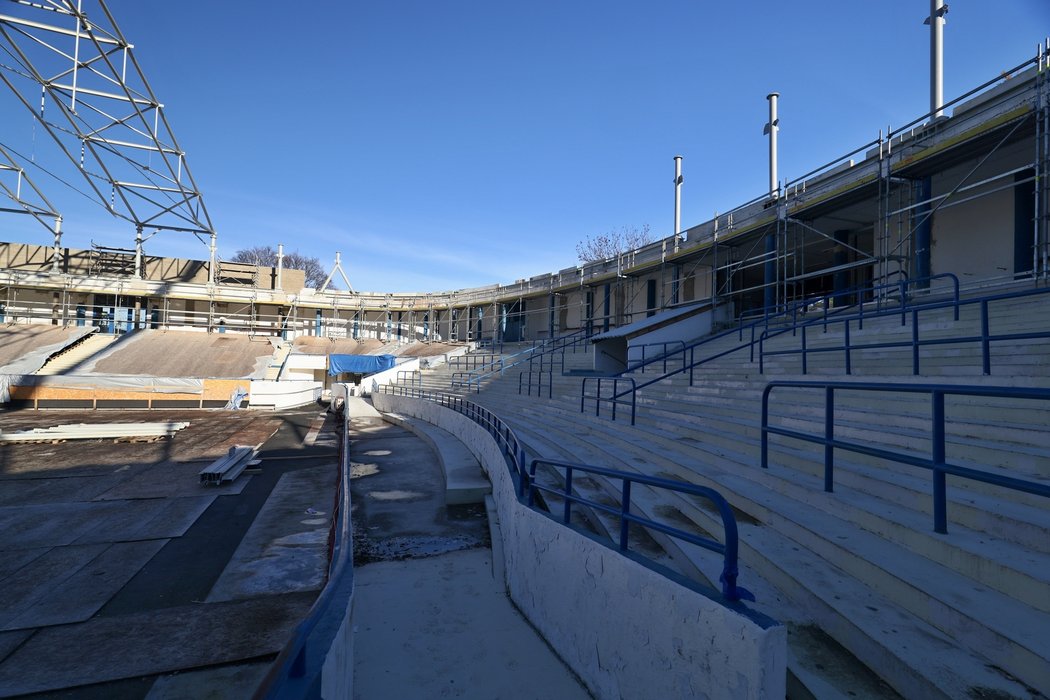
<point x="280" y="263"/>
<point x="56" y="254"/>
<point x="677" y="201"/>
<point x="936" y="21"/>
<point x="772" y="128"/>
<point x="138" y="252"/>
<point x="211" y="260"/>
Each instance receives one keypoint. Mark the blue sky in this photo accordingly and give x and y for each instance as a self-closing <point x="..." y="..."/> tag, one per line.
<point x="444" y="145"/>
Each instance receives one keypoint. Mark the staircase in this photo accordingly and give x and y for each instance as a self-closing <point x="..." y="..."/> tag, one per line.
<point x="90" y="347"/>
<point x="876" y="603"/>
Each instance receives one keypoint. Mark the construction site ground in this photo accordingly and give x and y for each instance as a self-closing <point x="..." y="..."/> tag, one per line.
<point x="124" y="577"/>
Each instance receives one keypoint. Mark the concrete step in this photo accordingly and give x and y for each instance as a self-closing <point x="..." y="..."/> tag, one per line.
<point x="465" y="481"/>
<point x="855" y="614"/>
<point x="88" y="348"/>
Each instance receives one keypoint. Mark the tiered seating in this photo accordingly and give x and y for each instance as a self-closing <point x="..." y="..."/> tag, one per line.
<point x="858" y="575"/>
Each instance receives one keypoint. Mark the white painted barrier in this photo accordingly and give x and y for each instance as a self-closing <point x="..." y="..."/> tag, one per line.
<point x="625" y="629"/>
<point x="265" y="393"/>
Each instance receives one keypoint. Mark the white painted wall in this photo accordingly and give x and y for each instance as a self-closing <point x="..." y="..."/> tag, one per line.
<point x="627" y="631"/>
<point x="283" y="394"/>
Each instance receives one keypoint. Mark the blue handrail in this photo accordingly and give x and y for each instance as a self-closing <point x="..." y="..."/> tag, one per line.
<point x="526" y="379"/>
<point x="985" y="338"/>
<point x="664" y="353"/>
<point x="297" y="670"/>
<point x="538" y="349"/>
<point x="728" y="549"/>
<point x="524" y="472"/>
<point x="615" y="398"/>
<point x="936" y="463"/>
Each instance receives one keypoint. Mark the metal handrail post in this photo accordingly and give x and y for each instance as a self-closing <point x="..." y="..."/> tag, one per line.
<point x="568" y="495"/>
<point x="849" y="365"/>
<point x="986" y="358"/>
<point x="915" y="342"/>
<point x="804" y="352"/>
<point x="940" y="506"/>
<point x="765" y="426"/>
<point x="625" y="510"/>
<point x="829" y="437"/>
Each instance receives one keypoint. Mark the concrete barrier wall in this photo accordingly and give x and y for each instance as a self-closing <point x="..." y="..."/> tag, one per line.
<point x="286" y="394"/>
<point x="626" y="630"/>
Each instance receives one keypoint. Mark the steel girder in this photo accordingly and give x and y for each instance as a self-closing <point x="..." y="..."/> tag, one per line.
<point x="68" y="63"/>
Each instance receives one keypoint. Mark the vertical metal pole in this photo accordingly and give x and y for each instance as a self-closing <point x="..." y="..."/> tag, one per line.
<point x="936" y="22"/>
<point x="138" y="252"/>
<point x="56" y="254"/>
<point x="568" y="494"/>
<point x="677" y="200"/>
<point x="772" y="128"/>
<point x="280" y="263"/>
<point x="986" y="359"/>
<point x="625" y="509"/>
<point x="829" y="435"/>
<point x="940" y="507"/>
<point x="211" y="259"/>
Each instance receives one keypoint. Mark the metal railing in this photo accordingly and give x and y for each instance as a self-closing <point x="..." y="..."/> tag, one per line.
<point x="537" y="351"/>
<point x="524" y="474"/>
<point x="728" y="548"/>
<point x="985" y="338"/>
<point x="668" y="350"/>
<point x="615" y="398"/>
<point x="297" y="670"/>
<point x="525" y="379"/>
<point x="936" y="463"/>
<point x="473" y="361"/>
<point x="411" y="377"/>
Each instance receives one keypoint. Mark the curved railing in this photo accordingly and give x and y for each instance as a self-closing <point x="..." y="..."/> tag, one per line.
<point x="296" y="673"/>
<point x="524" y="474"/>
<point x="727" y="549"/>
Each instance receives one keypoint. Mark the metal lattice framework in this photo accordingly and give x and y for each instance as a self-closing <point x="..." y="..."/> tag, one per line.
<point x="72" y="68"/>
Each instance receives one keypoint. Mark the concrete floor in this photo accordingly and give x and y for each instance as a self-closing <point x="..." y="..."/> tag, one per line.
<point x="430" y="619"/>
<point x="123" y="577"/>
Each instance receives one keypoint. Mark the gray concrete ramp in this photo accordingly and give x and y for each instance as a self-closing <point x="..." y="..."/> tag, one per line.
<point x="444" y="627"/>
<point x="430" y="618"/>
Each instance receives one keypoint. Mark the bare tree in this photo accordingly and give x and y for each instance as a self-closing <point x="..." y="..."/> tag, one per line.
<point x="266" y="256"/>
<point x="609" y="245"/>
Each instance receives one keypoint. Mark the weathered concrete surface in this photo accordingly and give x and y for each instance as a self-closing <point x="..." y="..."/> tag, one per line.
<point x="286" y="548"/>
<point x="429" y="618"/>
<point x="37" y="596"/>
<point x="184" y="354"/>
<point x="110" y="550"/>
<point x="625" y="629"/>
<point x="105" y="649"/>
<point x="443" y="627"/>
<point x="398" y="498"/>
<point x="465" y="482"/>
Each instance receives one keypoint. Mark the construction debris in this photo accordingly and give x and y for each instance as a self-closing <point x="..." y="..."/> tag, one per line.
<point x="226" y="469"/>
<point x="96" y="431"/>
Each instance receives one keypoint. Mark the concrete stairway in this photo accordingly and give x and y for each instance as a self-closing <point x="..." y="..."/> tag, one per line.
<point x="858" y="575"/>
<point x="280" y="354"/>
<point x="90" y="347"/>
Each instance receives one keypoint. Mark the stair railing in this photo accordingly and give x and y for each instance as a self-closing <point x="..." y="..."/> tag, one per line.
<point x="985" y="338"/>
<point x="728" y="548"/>
<point x="936" y="463"/>
<point x="524" y="473"/>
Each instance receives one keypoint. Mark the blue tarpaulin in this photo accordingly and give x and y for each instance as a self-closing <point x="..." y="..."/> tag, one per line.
<point x="359" y="364"/>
